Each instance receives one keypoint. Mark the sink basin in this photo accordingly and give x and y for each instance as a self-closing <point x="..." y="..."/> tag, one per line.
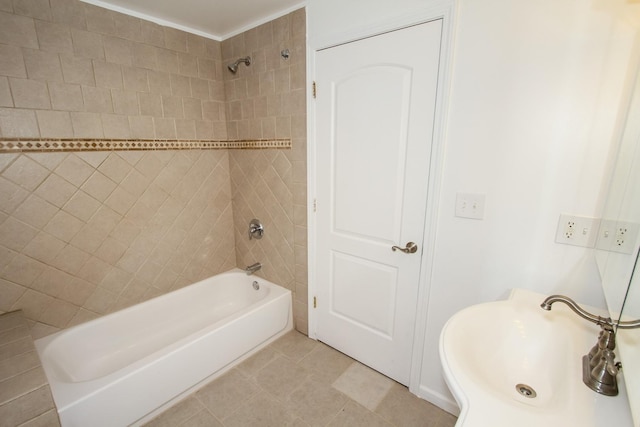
<point x="510" y="363"/>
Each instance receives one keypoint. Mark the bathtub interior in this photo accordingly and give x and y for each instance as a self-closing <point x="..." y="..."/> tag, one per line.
<point x="81" y="375"/>
<point x="105" y="345"/>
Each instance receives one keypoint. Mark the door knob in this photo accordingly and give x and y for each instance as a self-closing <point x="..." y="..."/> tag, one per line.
<point x="409" y="249"/>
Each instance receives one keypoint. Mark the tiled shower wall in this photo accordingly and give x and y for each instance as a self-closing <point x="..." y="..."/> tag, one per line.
<point x="86" y="233"/>
<point x="267" y="100"/>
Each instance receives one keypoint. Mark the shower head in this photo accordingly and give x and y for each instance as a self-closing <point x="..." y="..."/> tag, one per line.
<point x="234" y="67"/>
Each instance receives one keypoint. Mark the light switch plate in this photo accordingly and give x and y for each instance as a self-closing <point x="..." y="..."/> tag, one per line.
<point x="470" y="205"/>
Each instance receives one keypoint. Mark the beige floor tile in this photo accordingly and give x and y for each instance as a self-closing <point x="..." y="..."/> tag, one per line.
<point x="402" y="408"/>
<point x="202" y="419"/>
<point x="326" y="361"/>
<point x="354" y="415"/>
<point x="281" y="377"/>
<point x="178" y="413"/>
<point x="364" y="385"/>
<point x="294" y="345"/>
<point x="261" y="411"/>
<point x="255" y="363"/>
<point x="227" y="393"/>
<point x="316" y="402"/>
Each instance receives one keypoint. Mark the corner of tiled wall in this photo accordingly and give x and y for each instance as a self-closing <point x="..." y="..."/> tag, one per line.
<point x="265" y="100"/>
<point x="85" y="233"/>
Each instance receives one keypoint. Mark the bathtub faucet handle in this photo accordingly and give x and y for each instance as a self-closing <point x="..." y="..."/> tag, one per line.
<point x="255" y="229"/>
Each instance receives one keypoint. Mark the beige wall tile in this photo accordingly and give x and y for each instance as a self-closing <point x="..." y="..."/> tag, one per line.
<point x="118" y="50"/>
<point x="87" y="44"/>
<point x="82" y="206"/>
<point x="116" y="126"/>
<point x="115" y="168"/>
<point x="44" y="247"/>
<point x="23" y="270"/>
<point x="25" y="173"/>
<point x="167" y="60"/>
<point x="175" y="39"/>
<point x="185" y="129"/>
<point x="144" y="56"/>
<point x="141" y="127"/>
<point x="17" y="30"/>
<point x="125" y="102"/>
<point x="16" y="234"/>
<point x="68" y="12"/>
<point x="59" y="313"/>
<point x="12" y="195"/>
<point x="150" y="104"/>
<point x="159" y="82"/>
<point x="12" y="63"/>
<point x="55" y="124"/>
<point x="172" y="107"/>
<point x="77" y="70"/>
<point x="64" y="226"/>
<point x="99" y="186"/>
<point x="164" y="128"/>
<point x="29" y="93"/>
<point x="192" y="108"/>
<point x="18" y="123"/>
<point x="152" y="33"/>
<point x="54" y="37"/>
<point x="9" y="294"/>
<point x="187" y="65"/>
<point x="135" y="79"/>
<point x="66" y="97"/>
<point x="180" y="85"/>
<point x="200" y="88"/>
<point x="34" y="8"/>
<point x="70" y="259"/>
<point x="74" y="170"/>
<point x="27" y="406"/>
<point x="86" y="125"/>
<point x="107" y="75"/>
<point x="127" y="26"/>
<point x="99" y="20"/>
<point x="97" y="99"/>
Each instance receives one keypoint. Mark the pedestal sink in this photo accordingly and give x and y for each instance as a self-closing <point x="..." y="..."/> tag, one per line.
<point x="510" y="363"/>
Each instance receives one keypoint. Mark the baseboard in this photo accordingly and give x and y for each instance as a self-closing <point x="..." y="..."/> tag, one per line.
<point x="441" y="401"/>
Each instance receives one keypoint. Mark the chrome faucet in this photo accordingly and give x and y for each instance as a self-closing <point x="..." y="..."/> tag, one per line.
<point x="599" y="368"/>
<point x="252" y="268"/>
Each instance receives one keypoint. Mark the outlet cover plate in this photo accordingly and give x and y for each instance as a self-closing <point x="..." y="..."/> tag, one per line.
<point x="617" y="236"/>
<point x="577" y="230"/>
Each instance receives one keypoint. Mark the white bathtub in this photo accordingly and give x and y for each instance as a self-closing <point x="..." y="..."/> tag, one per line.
<point x="116" y="369"/>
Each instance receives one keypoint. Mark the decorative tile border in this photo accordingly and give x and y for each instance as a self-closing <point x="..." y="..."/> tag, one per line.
<point x="26" y="145"/>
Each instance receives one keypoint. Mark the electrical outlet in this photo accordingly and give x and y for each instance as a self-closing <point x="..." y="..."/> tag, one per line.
<point x="577" y="230"/>
<point x="617" y="236"/>
<point x="470" y="205"/>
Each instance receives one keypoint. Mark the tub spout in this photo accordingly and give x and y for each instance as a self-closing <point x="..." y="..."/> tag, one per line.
<point x="253" y="268"/>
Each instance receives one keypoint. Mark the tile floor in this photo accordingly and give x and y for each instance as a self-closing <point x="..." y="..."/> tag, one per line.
<point x="297" y="381"/>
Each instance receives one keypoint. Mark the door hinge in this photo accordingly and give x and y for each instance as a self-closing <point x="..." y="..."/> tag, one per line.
<point x="313" y="89"/>
<point x="315" y="302"/>
<point x="315" y="205"/>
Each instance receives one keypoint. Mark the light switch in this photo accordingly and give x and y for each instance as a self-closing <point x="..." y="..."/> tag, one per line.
<point x="470" y="205"/>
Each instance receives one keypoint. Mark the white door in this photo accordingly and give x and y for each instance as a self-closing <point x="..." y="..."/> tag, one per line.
<point x="374" y="124"/>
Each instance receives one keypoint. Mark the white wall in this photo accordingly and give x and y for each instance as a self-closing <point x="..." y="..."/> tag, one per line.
<point x="534" y="94"/>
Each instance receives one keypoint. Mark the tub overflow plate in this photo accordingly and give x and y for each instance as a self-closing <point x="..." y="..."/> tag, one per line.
<point x="526" y="391"/>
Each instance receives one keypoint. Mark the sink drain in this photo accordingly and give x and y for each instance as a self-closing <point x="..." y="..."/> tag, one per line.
<point x="526" y="391"/>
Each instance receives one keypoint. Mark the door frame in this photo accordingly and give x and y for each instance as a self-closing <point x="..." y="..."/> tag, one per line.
<point x="446" y="11"/>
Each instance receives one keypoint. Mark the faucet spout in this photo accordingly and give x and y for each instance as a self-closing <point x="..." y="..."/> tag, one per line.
<point x="253" y="268"/>
<point x="598" y="320"/>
